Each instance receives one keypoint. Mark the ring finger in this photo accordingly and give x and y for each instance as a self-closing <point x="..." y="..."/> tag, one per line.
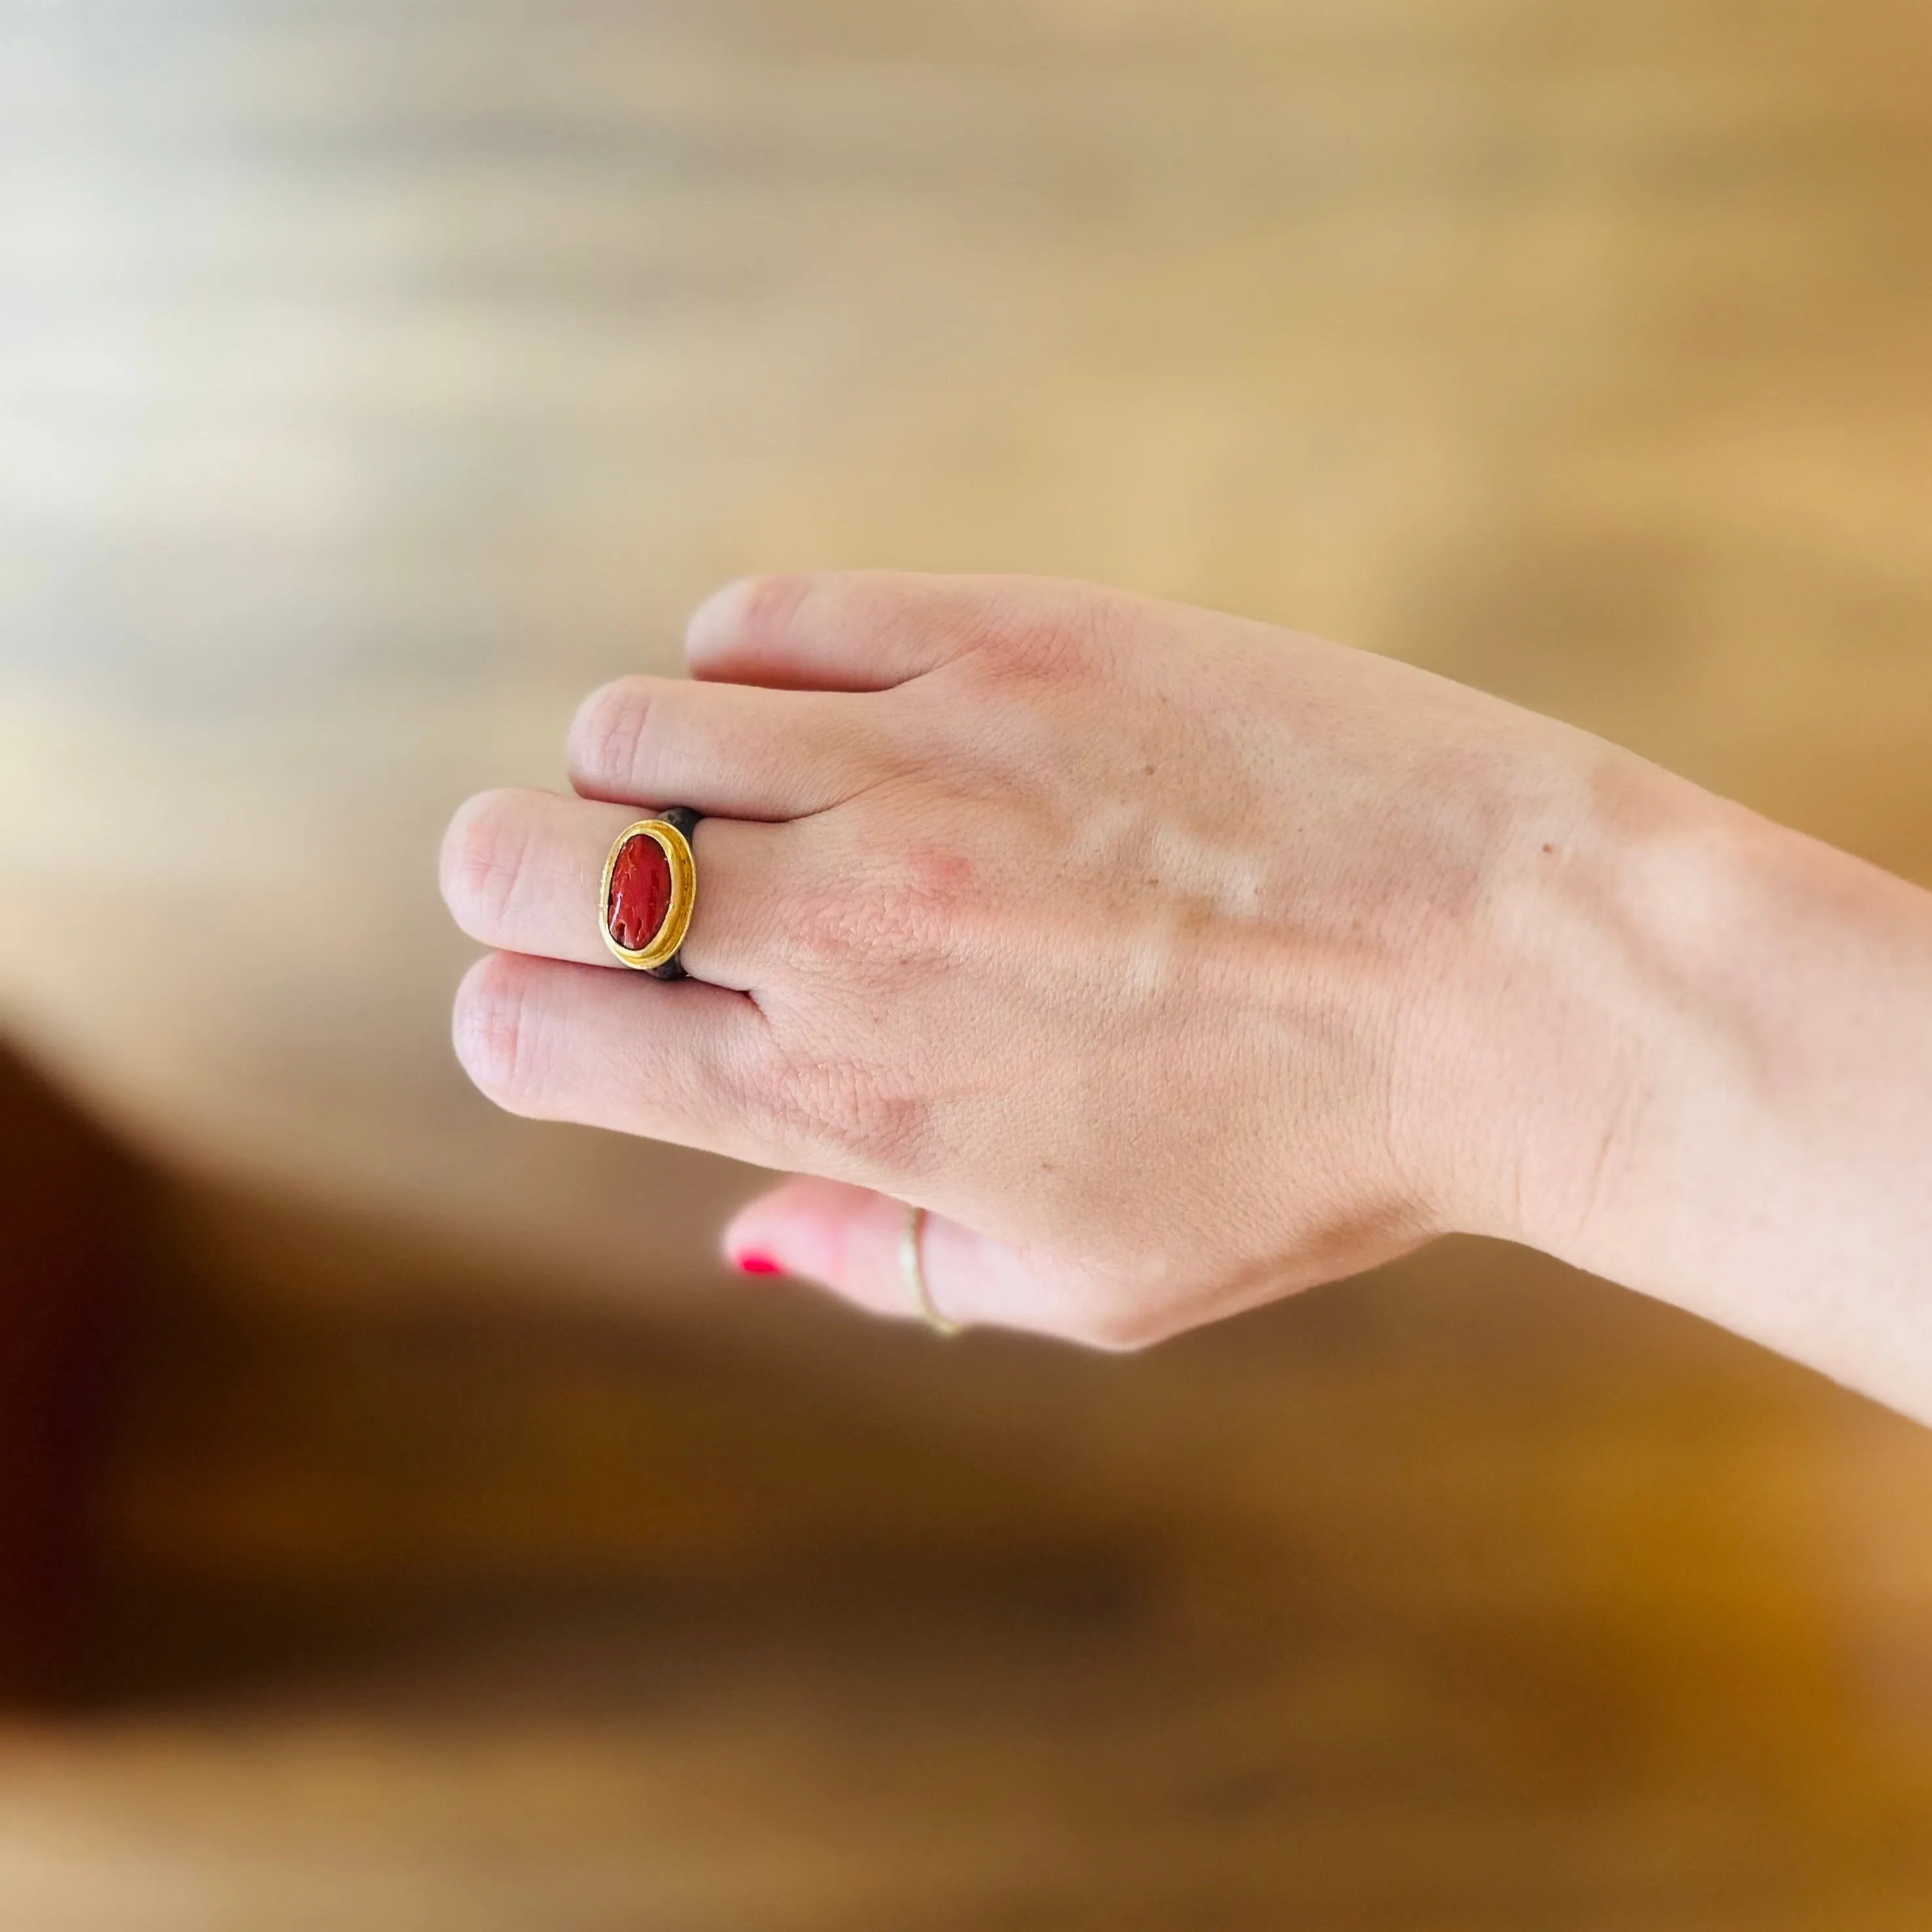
<point x="521" y="871"/>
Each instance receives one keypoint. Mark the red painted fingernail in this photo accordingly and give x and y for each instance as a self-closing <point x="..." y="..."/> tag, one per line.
<point x="758" y="1264"/>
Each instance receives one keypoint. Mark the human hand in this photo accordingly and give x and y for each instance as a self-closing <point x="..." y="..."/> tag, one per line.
<point x="1174" y="962"/>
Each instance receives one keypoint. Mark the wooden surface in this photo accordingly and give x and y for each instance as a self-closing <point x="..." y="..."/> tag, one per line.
<point x="373" y="378"/>
<point x="378" y="376"/>
<point x="73" y="1209"/>
<point x="1472" y="1597"/>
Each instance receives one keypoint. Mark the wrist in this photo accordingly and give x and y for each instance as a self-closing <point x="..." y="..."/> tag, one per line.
<point x="1560" y="1018"/>
<point x="1703" y="1052"/>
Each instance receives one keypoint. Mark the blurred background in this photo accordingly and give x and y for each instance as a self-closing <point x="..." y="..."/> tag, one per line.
<point x="403" y="1522"/>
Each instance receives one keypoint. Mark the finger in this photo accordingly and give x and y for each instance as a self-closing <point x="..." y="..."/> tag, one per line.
<point x="848" y="1239"/>
<point x="522" y="871"/>
<point x="841" y="630"/>
<point x="729" y="750"/>
<point x="676" y="1061"/>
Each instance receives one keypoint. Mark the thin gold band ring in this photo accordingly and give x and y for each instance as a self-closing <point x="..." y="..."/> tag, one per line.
<point x="912" y="1272"/>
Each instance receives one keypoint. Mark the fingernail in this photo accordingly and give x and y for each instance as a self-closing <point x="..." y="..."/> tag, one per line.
<point x="755" y="1263"/>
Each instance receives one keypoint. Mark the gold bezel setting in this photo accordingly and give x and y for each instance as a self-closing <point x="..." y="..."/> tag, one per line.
<point x="670" y="935"/>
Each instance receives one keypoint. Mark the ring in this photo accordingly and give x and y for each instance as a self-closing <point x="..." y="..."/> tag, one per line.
<point x="912" y="1272"/>
<point x="650" y="884"/>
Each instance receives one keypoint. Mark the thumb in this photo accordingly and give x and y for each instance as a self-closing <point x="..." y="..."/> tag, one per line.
<point x="848" y="1239"/>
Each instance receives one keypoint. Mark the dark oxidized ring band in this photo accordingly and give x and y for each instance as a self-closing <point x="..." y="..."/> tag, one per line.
<point x="650" y="884"/>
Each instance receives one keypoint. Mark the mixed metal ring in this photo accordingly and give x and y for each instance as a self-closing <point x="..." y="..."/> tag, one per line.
<point x="650" y="884"/>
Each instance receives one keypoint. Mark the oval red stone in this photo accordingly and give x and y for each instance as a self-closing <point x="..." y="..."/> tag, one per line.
<point x="640" y="892"/>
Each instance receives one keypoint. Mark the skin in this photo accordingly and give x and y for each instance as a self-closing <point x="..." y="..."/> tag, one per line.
<point x="1175" y="963"/>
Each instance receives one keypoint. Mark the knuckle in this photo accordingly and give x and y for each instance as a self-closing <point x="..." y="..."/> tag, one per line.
<point x="752" y="610"/>
<point x="831" y="1106"/>
<point x="769" y="603"/>
<point x="495" y="1034"/>
<point x="900" y="911"/>
<point x="1062" y="627"/>
<point x="607" y="737"/>
<point x="829" y="927"/>
<point x="1116" y="1330"/>
<point x="1099" y="1307"/>
<point x="484" y="853"/>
